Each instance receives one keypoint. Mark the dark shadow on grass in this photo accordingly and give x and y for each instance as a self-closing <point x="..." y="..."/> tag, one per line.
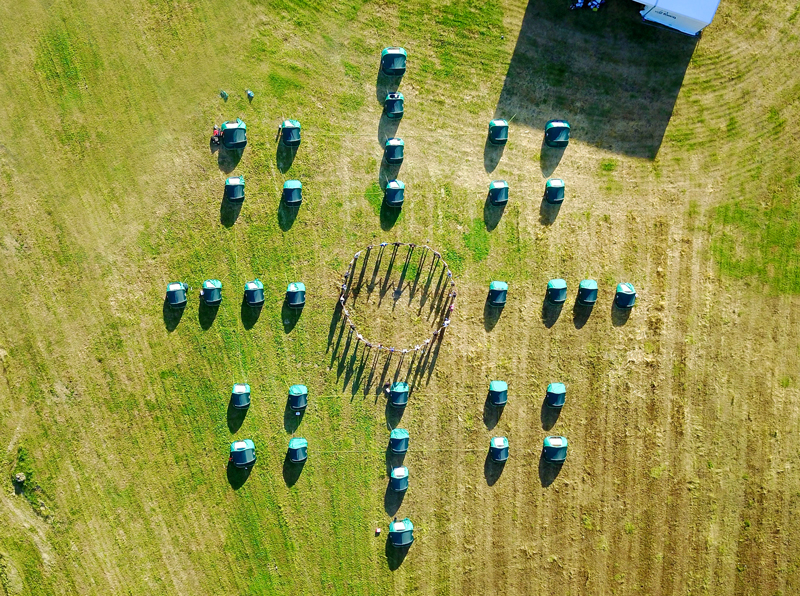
<point x="228" y="159"/>
<point x="492" y="470"/>
<point x="550" y="313"/>
<point x="619" y="316"/>
<point x="292" y="418"/>
<point x="389" y="216"/>
<point x="387" y="129"/>
<point x="491" y="413"/>
<point x="393" y="415"/>
<point x="549" y="416"/>
<point x="581" y="314"/>
<point x="229" y="212"/>
<point x="492" y="154"/>
<point x="392" y="500"/>
<point x="548" y="471"/>
<point x="172" y="316"/>
<point x="388" y="172"/>
<point x="235" y="417"/>
<point x="206" y="314"/>
<point x="286" y="215"/>
<point x="284" y="157"/>
<point x="289" y="316"/>
<point x="384" y="85"/>
<point x="250" y="314"/>
<point x="548" y="212"/>
<point x="237" y="476"/>
<point x="292" y="470"/>
<point x="395" y="555"/>
<point x="491" y="314"/>
<point x="393" y="460"/>
<point x="549" y="158"/>
<point x="492" y="214"/>
<point x="335" y="318"/>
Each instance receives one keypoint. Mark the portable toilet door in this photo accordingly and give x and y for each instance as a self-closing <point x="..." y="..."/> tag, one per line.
<point x="498" y="132"/>
<point x="398" y="440"/>
<point x="498" y="192"/>
<point x="498" y="291"/>
<point x="394" y="194"/>
<point x="556" y="291"/>
<point x="393" y="151"/>
<point x="211" y="292"/>
<point x="393" y="61"/>
<point x="292" y="193"/>
<point x="398" y="395"/>
<point x="626" y="295"/>
<point x="587" y="292"/>
<point x="243" y="453"/>
<point x="240" y="396"/>
<point x="234" y="189"/>
<point x="298" y="397"/>
<point x="254" y="292"/>
<point x="298" y="450"/>
<point x="556" y="395"/>
<point x="556" y="133"/>
<point x="554" y="191"/>
<point x="555" y="449"/>
<point x="234" y="134"/>
<point x="498" y="393"/>
<point x="401" y="533"/>
<point x="296" y="295"/>
<point x="393" y="105"/>
<point x="176" y="294"/>
<point x="398" y="480"/>
<point x="290" y="133"/>
<point x="498" y="449"/>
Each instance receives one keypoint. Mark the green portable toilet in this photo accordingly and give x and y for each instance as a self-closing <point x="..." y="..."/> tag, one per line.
<point x="498" y="132"/>
<point x="398" y="479"/>
<point x="298" y="397"/>
<point x="556" y="133"/>
<point x="254" y="292"/>
<point x="587" y="292"/>
<point x="290" y="133"/>
<point x="393" y="151"/>
<point x="292" y="193"/>
<point x="498" y="291"/>
<point x="393" y="105"/>
<point x="401" y="533"/>
<point x="398" y="395"/>
<point x="243" y="453"/>
<point x="626" y="295"/>
<point x="240" y="396"/>
<point x="296" y="295"/>
<point x="398" y="440"/>
<point x="554" y="191"/>
<point x="556" y="291"/>
<point x="555" y="449"/>
<point x="234" y="134"/>
<point x="298" y="450"/>
<point x="393" y="61"/>
<point x="556" y="395"/>
<point x="498" y="393"/>
<point x="176" y="294"/>
<point x="498" y="192"/>
<point x="394" y="194"/>
<point x="498" y="449"/>
<point x="211" y="292"/>
<point x="234" y="189"/>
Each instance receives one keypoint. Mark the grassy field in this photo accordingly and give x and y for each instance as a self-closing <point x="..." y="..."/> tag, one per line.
<point x="682" y="177"/>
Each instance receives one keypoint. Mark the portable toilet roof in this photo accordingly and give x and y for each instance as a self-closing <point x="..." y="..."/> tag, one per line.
<point x="626" y="295"/>
<point x="401" y="533"/>
<point x="498" y="291"/>
<point x="498" y="131"/>
<point x="498" y="449"/>
<point x="298" y="397"/>
<point x="254" y="292"/>
<point x="498" y="192"/>
<point x="587" y="291"/>
<point x="394" y="104"/>
<point x="398" y="479"/>
<point x="243" y="453"/>
<point x="498" y="393"/>
<point x="686" y="16"/>
<point x="394" y="150"/>
<point x="292" y="192"/>
<point x="556" y="133"/>
<point x="212" y="291"/>
<point x="176" y="294"/>
<point x="557" y="291"/>
<point x="240" y="395"/>
<point x="234" y="188"/>
<point x="398" y="440"/>
<point x="393" y="61"/>
<point x="234" y="134"/>
<point x="296" y="294"/>
<point x="290" y="133"/>
<point x="556" y="395"/>
<point x="394" y="193"/>
<point x="555" y="449"/>
<point x="398" y="395"/>
<point x="298" y="450"/>
<point x="554" y="191"/>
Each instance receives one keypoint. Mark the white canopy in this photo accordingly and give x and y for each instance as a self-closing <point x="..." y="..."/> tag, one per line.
<point x="687" y="16"/>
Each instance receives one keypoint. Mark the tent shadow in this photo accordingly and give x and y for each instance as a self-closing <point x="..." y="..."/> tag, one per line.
<point x="491" y="413"/>
<point x="581" y="314"/>
<point x="492" y="470"/>
<point x="550" y="313"/>
<point x="284" y="157"/>
<point x="548" y="212"/>
<point x="393" y="415"/>
<point x="395" y="555"/>
<point x="292" y="470"/>
<point x="292" y="418"/>
<point x="549" y="416"/>
<point x="229" y="212"/>
<point x="392" y="500"/>
<point x="228" y="159"/>
<point x="286" y="215"/>
<point x="289" y="316"/>
<point x="206" y="314"/>
<point x="492" y="214"/>
<point x="172" y="316"/>
<point x="492" y="154"/>
<point x="384" y="85"/>
<point x="235" y="417"/>
<point x="387" y="173"/>
<point x="548" y="471"/>
<point x="549" y="158"/>
<point x="491" y="314"/>
<point x="619" y="316"/>
<point x="250" y="314"/>
<point x="387" y="128"/>
<point x="237" y="476"/>
<point x="389" y="216"/>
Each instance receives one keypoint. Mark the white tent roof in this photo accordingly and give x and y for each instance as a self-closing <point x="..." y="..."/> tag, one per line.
<point x="688" y="16"/>
<point x="702" y="10"/>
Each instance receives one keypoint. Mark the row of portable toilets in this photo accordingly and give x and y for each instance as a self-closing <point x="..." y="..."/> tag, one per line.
<point x="556" y="293"/>
<point x="211" y="294"/>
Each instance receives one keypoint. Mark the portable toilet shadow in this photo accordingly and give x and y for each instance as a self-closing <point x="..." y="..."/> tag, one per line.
<point x="584" y="302"/>
<point x="395" y="489"/>
<point x="296" y="404"/>
<point x="624" y="301"/>
<point x="496" y="400"/>
<point x="555" y="296"/>
<point x="240" y="462"/>
<point x="495" y="205"/>
<point x="552" y="199"/>
<point x="496" y="140"/>
<point x="555" y="140"/>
